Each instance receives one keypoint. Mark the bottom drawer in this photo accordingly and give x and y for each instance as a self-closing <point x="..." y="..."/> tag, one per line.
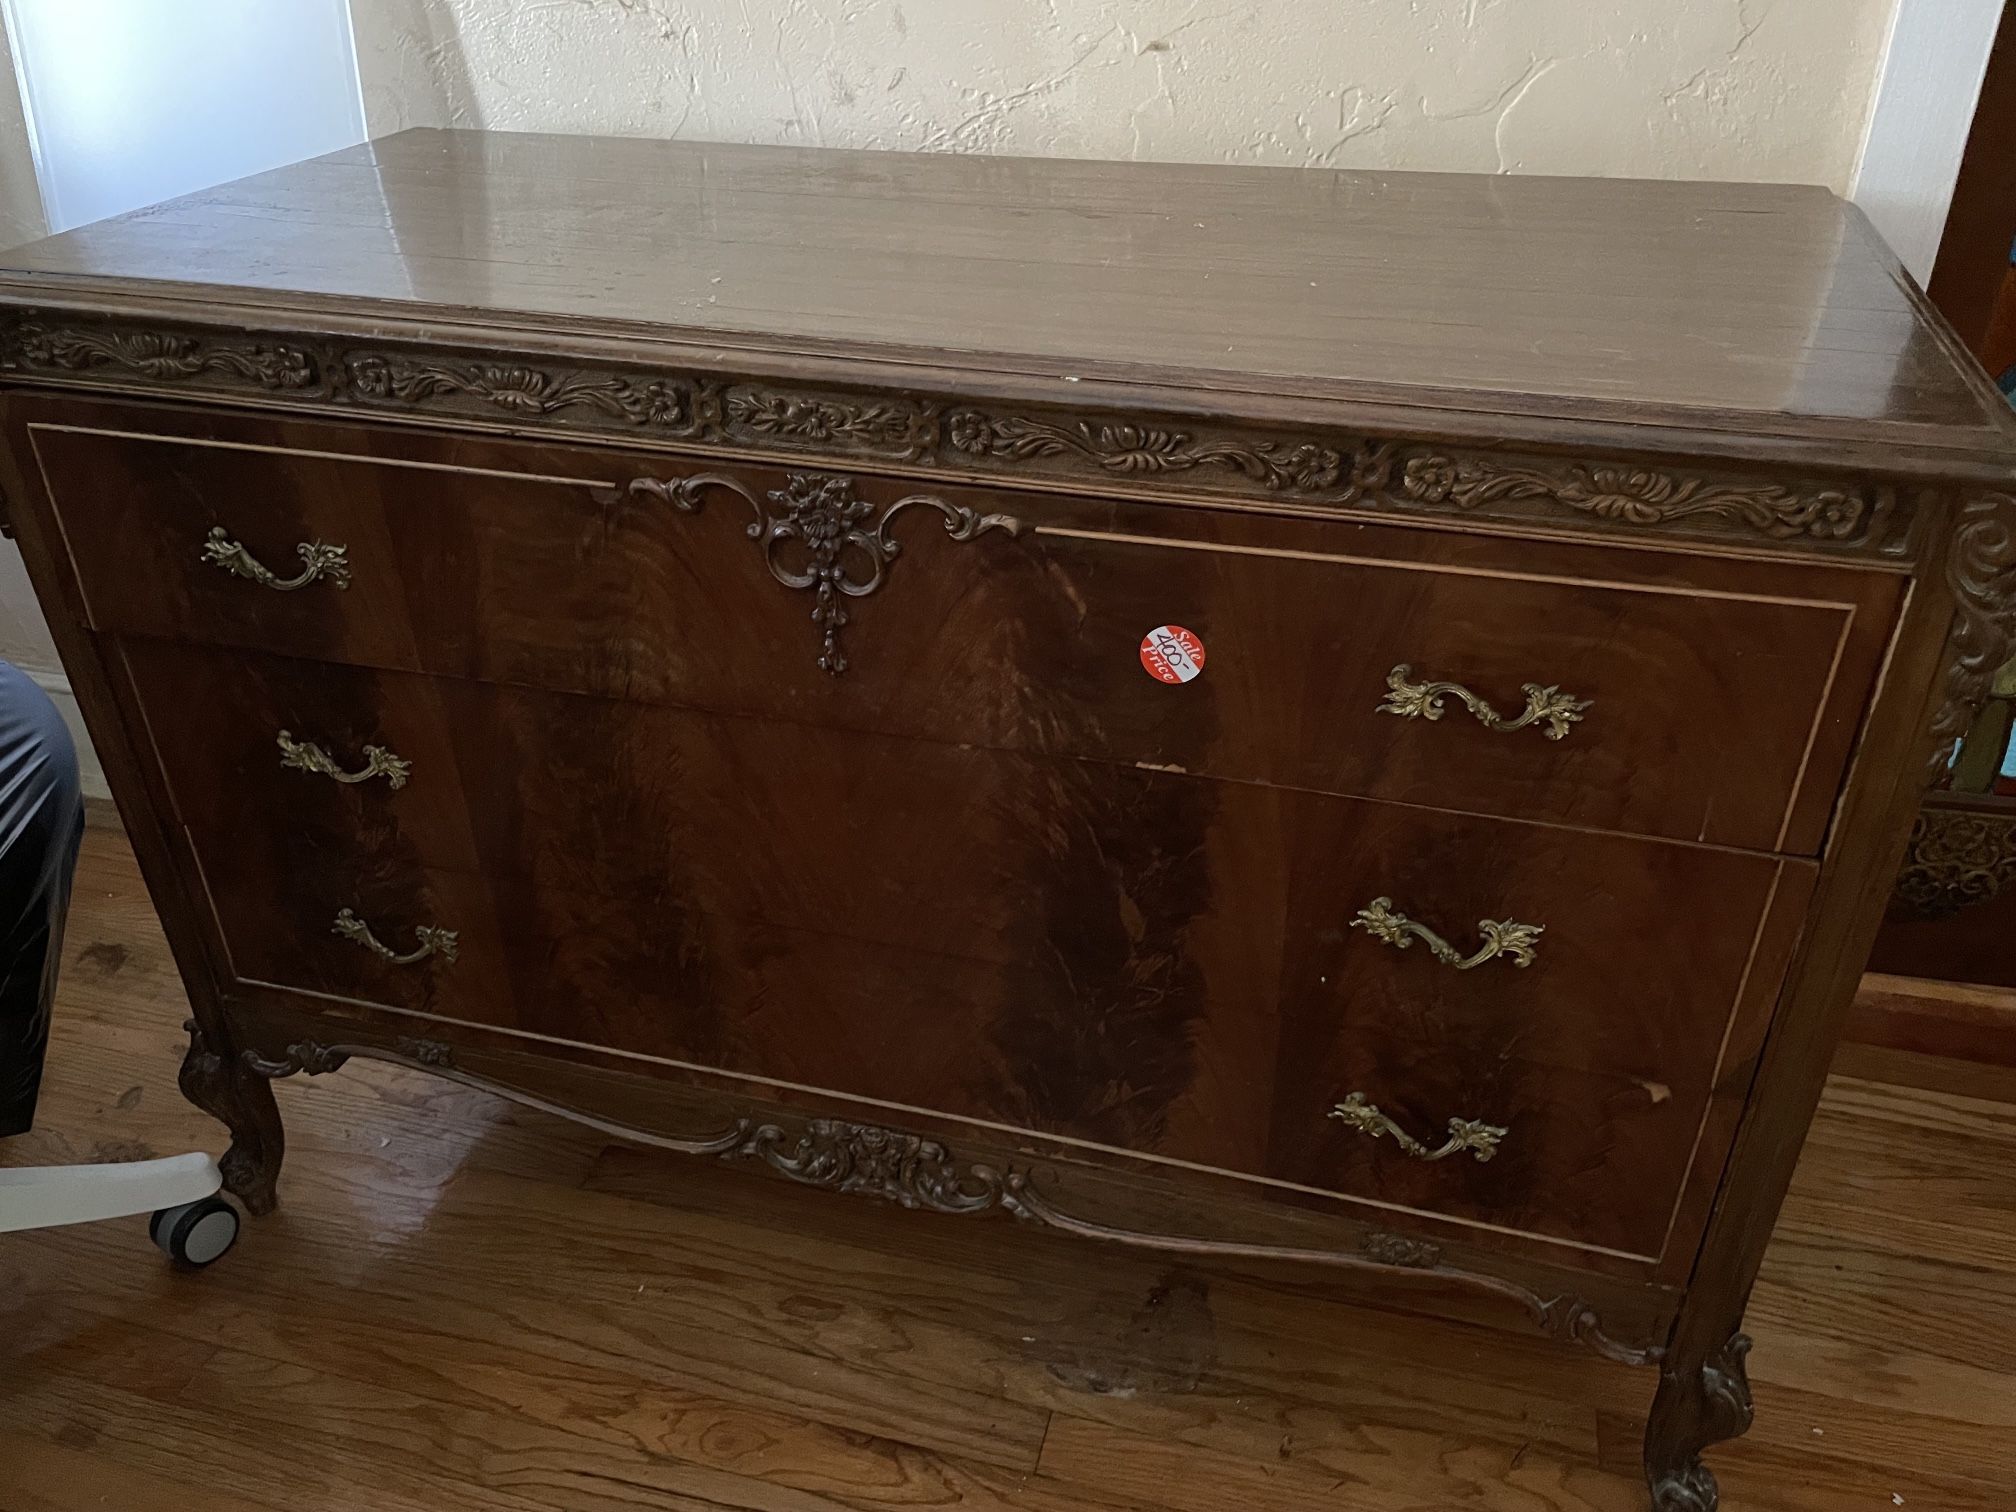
<point x="1216" y="1072"/>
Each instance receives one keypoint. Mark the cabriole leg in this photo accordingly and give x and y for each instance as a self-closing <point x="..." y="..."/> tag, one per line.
<point x="1700" y="1402"/>
<point x="241" y="1099"/>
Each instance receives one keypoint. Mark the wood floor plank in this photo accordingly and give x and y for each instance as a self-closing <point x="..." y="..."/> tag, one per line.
<point x="1820" y="1427"/>
<point x="1766" y="1476"/>
<point x="50" y="1475"/>
<point x="446" y="1314"/>
<point x="499" y="1420"/>
<point x="1137" y="1467"/>
<point x="1210" y="1356"/>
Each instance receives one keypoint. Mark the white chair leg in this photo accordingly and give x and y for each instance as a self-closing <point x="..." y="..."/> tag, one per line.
<point x="49" y="1196"/>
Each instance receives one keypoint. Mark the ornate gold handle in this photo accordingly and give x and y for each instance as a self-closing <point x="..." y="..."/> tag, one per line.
<point x="1412" y="700"/>
<point x="433" y="941"/>
<point x="306" y="756"/>
<point x="1479" y="1138"/>
<point x="319" y="563"/>
<point x="1501" y="936"/>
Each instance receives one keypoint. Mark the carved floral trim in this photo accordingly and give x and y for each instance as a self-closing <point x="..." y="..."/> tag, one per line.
<point x="904" y="431"/>
<point x="162" y="356"/>
<point x="1645" y="496"/>
<point x="1128" y="449"/>
<point x="1229" y="459"/>
<point x="1957" y="858"/>
<point x="516" y="389"/>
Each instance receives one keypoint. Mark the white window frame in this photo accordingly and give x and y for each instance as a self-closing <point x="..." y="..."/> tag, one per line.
<point x="1926" y="91"/>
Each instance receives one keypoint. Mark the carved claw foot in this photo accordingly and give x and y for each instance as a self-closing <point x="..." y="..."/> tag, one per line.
<point x="241" y="1099"/>
<point x="1695" y="1408"/>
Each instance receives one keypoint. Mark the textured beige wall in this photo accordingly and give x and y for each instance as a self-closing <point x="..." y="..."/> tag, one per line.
<point x="1746" y="89"/>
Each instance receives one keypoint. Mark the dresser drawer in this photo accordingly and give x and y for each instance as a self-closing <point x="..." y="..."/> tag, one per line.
<point x="1176" y="966"/>
<point x="1543" y="681"/>
<point x="1164" y="1058"/>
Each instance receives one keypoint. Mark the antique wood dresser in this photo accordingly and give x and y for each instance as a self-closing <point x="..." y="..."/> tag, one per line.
<point x="1365" y="719"/>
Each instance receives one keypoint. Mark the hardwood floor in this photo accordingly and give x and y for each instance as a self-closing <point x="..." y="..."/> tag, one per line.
<point x="465" y="1305"/>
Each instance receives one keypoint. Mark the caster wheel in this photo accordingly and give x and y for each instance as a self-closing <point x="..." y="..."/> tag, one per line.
<point x="195" y="1233"/>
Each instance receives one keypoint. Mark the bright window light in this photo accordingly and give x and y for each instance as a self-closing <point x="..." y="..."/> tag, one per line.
<point x="130" y="102"/>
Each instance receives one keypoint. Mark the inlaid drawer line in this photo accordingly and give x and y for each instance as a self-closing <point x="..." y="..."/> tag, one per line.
<point x="1764" y="918"/>
<point x="1813" y="732"/>
<point x="921" y="1173"/>
<point x="361" y="459"/>
<point x="1497" y="574"/>
<point x="1011" y="1130"/>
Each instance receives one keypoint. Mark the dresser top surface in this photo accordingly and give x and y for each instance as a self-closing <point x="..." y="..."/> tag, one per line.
<point x="1756" y="309"/>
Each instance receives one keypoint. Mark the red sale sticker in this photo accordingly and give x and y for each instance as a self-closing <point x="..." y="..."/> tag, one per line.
<point x="1172" y="654"/>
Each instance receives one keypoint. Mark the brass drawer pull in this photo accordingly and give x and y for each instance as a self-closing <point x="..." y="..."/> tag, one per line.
<point x="1479" y="1138"/>
<point x="319" y="563"/>
<point x="1412" y="700"/>
<point x="1501" y="936"/>
<point x="433" y="941"/>
<point x="306" y="756"/>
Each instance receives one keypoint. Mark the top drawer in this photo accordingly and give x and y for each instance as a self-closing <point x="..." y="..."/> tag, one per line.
<point x="1702" y="698"/>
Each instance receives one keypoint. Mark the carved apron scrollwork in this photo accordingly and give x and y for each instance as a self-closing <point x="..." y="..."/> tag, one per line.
<point x="874" y="1161"/>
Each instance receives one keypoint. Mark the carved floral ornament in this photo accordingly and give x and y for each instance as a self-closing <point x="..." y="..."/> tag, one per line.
<point x="1981" y="572"/>
<point x="1232" y="459"/>
<point x="818" y="534"/>
<point x="1957" y="858"/>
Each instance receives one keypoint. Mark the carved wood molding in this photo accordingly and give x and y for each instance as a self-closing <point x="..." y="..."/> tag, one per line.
<point x="1981" y="571"/>
<point x="1114" y="453"/>
<point x="162" y="356"/>
<point x="1957" y="858"/>
<point x="514" y="388"/>
<point x="922" y="1174"/>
